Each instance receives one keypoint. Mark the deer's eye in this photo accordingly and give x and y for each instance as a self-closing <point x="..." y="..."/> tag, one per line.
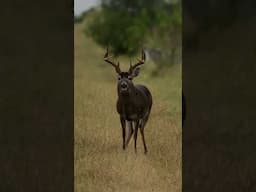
<point x="129" y="77"/>
<point x="118" y="78"/>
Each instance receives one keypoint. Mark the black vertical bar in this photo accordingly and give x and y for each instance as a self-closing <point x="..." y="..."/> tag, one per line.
<point x="219" y="88"/>
<point x="36" y="99"/>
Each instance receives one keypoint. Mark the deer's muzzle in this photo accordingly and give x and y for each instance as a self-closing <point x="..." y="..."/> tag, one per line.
<point x="124" y="85"/>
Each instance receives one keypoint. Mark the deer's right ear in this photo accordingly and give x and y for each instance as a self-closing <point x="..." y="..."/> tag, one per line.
<point x="135" y="72"/>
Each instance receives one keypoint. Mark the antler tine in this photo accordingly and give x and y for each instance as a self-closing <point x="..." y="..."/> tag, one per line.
<point x="106" y="54"/>
<point x="116" y="66"/>
<point x="140" y="61"/>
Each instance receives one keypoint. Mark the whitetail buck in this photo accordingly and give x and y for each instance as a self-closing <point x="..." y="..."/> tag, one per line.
<point x="134" y="101"/>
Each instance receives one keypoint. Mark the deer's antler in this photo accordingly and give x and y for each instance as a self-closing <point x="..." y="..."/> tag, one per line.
<point x="140" y="61"/>
<point x="116" y="66"/>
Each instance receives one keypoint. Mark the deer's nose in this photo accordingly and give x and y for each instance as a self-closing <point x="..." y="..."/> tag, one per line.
<point x="124" y="85"/>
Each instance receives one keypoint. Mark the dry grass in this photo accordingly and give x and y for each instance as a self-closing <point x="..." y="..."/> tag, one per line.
<point x="100" y="162"/>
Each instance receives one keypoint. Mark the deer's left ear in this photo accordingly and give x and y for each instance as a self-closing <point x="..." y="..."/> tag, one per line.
<point x="135" y="72"/>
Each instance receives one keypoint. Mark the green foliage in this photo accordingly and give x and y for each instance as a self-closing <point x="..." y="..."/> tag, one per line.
<point x="176" y="18"/>
<point x="123" y="25"/>
<point x="78" y="19"/>
<point x="118" y="30"/>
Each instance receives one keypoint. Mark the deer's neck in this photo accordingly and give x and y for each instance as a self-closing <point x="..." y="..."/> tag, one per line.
<point x="127" y="99"/>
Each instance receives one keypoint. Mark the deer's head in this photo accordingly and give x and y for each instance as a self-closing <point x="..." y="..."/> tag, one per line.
<point x="125" y="84"/>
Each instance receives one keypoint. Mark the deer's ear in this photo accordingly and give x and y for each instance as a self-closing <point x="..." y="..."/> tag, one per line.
<point x="135" y="72"/>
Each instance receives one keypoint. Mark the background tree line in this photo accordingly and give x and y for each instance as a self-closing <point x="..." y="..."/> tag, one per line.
<point x="126" y="26"/>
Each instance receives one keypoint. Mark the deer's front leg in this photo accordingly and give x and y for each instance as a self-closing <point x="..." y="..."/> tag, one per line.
<point x="130" y="133"/>
<point x="123" y="130"/>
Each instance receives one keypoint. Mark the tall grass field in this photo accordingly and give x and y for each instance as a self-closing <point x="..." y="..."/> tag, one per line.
<point x="100" y="163"/>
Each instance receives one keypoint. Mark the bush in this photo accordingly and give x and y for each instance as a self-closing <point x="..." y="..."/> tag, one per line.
<point x="124" y="25"/>
<point x="78" y="19"/>
<point x="119" y="31"/>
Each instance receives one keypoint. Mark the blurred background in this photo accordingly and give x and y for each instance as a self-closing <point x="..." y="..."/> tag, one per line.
<point x="126" y="27"/>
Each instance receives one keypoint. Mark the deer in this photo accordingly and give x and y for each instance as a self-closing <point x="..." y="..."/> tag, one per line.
<point x="134" y="101"/>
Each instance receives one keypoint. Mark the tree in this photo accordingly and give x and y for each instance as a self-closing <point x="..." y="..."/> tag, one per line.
<point x="123" y="25"/>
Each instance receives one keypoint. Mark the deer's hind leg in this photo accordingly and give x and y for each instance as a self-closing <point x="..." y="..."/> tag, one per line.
<point x="135" y="135"/>
<point x="143" y="140"/>
<point x="142" y="126"/>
